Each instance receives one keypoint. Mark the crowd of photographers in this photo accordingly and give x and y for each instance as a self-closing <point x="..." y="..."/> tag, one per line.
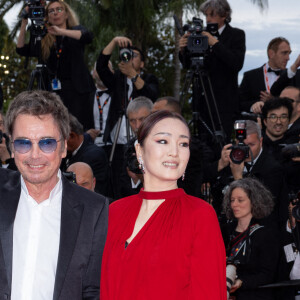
<point x="246" y="131"/>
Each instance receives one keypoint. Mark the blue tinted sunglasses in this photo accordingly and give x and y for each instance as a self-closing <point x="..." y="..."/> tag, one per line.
<point x="47" y="145"/>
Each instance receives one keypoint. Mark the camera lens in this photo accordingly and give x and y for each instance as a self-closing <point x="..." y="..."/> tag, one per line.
<point x="197" y="42"/>
<point x="125" y="54"/>
<point x="237" y="155"/>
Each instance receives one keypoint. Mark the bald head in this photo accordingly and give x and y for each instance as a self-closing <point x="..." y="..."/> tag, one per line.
<point x="84" y="175"/>
<point x="167" y="103"/>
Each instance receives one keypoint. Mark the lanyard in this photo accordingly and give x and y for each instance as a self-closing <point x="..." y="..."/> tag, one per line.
<point x="267" y="78"/>
<point x="101" y="109"/>
<point x="58" y="51"/>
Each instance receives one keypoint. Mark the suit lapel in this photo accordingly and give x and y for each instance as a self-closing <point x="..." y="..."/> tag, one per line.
<point x="71" y="212"/>
<point x="10" y="196"/>
<point x="261" y="80"/>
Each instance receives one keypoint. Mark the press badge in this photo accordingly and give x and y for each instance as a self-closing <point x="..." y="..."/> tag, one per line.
<point x="56" y="85"/>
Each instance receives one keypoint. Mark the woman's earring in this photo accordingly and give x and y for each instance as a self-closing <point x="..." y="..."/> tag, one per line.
<point x="141" y="165"/>
<point x="183" y="176"/>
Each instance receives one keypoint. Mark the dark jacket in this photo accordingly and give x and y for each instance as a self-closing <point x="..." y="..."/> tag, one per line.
<point x="249" y="91"/>
<point x="96" y="158"/>
<point x="284" y="81"/>
<point x="82" y="237"/>
<point x="260" y="263"/>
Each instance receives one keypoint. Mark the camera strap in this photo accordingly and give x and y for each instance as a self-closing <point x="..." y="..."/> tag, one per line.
<point x="239" y="243"/>
<point x="99" y="94"/>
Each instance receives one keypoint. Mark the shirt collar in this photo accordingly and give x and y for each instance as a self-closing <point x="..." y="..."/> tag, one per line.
<point x="221" y="29"/>
<point x="52" y="200"/>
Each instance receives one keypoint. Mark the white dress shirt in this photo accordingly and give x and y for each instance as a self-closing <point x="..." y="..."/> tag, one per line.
<point x="36" y="237"/>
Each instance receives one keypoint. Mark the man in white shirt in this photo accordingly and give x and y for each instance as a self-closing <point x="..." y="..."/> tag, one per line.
<point x="52" y="231"/>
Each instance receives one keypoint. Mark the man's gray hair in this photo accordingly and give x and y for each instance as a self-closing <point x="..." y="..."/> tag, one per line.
<point x="138" y="103"/>
<point x="219" y="7"/>
<point x="39" y="103"/>
<point x="75" y="125"/>
<point x="253" y="127"/>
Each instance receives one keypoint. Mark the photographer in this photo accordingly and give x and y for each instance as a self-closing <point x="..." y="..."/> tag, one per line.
<point x="62" y="50"/>
<point x="223" y="61"/>
<point x="250" y="245"/>
<point x="260" y="165"/>
<point x="126" y="83"/>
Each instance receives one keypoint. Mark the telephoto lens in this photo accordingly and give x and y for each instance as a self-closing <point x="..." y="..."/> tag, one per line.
<point x="230" y="277"/>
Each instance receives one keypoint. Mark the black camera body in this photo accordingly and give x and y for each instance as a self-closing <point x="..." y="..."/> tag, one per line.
<point x="240" y="151"/>
<point x="37" y="15"/>
<point x="290" y="150"/>
<point x="70" y="176"/>
<point x="131" y="159"/>
<point x="197" y="43"/>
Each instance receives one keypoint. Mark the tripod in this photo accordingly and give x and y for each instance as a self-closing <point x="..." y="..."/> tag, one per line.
<point x="122" y="114"/>
<point x="40" y="70"/>
<point x="196" y="75"/>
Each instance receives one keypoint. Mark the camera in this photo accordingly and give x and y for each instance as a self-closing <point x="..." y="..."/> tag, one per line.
<point x="126" y="54"/>
<point x="70" y="176"/>
<point x="250" y="116"/>
<point x="231" y="265"/>
<point x="131" y="159"/>
<point x="240" y="151"/>
<point x="37" y="14"/>
<point x="197" y="43"/>
<point x="295" y="200"/>
<point x="290" y="150"/>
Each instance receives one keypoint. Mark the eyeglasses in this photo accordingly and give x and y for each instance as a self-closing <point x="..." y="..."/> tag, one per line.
<point x="274" y="118"/>
<point x="51" y="11"/>
<point x="47" y="145"/>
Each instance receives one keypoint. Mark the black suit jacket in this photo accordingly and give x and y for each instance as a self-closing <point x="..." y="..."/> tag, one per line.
<point x="283" y="81"/>
<point x="82" y="237"/>
<point x="117" y="83"/>
<point x="96" y="158"/>
<point x="249" y="91"/>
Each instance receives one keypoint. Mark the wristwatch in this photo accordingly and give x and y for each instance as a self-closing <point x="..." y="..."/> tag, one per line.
<point x="134" y="79"/>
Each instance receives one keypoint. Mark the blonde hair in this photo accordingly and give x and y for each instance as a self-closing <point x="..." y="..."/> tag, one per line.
<point x="49" y="39"/>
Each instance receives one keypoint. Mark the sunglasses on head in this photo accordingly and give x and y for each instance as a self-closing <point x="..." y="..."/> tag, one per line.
<point x="47" y="145"/>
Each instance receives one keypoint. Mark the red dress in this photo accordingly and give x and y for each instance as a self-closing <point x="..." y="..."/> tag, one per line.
<point x="178" y="254"/>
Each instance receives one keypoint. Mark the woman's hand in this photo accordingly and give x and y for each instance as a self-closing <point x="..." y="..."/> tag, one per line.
<point x="237" y="284"/>
<point x="55" y="30"/>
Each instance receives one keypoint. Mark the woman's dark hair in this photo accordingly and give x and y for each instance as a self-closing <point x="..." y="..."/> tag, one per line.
<point x="261" y="198"/>
<point x="153" y="119"/>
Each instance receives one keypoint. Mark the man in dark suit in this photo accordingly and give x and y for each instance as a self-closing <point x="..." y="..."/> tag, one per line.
<point x="225" y="59"/>
<point x="52" y="232"/>
<point x="80" y="149"/>
<point x="255" y="88"/>
<point x="260" y="165"/>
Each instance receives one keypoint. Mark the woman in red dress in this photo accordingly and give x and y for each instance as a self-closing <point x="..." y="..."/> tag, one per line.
<point x="163" y="243"/>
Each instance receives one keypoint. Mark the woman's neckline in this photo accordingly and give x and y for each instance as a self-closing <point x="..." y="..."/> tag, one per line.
<point x="160" y="194"/>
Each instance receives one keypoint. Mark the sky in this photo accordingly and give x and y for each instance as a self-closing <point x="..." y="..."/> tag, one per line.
<point x="281" y="18"/>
